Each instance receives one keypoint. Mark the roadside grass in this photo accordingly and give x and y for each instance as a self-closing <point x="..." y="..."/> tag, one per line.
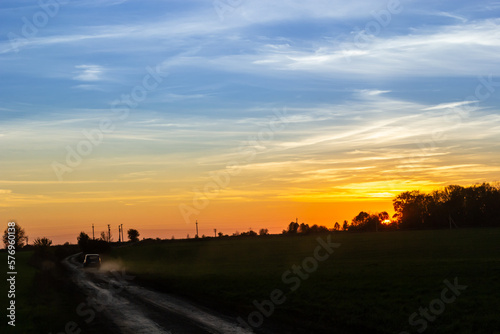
<point x="372" y="283"/>
<point x="24" y="294"/>
<point x="46" y="300"/>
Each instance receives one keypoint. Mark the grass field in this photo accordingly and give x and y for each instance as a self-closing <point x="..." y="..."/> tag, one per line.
<point x="24" y="293"/>
<point x="45" y="299"/>
<point x="372" y="283"/>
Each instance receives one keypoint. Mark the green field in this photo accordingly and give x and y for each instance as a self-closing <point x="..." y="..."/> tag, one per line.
<point x="45" y="298"/>
<point x="372" y="283"/>
<point x="24" y="294"/>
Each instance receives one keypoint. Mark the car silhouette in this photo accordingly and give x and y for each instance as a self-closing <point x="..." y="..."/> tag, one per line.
<point x="92" y="261"/>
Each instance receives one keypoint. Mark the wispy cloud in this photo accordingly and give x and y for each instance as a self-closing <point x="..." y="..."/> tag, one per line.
<point x="450" y="15"/>
<point x="89" y="73"/>
<point x="450" y="105"/>
<point x="465" y="49"/>
<point x="375" y="92"/>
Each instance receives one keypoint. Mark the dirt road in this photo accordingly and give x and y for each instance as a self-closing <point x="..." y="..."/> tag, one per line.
<point x="131" y="308"/>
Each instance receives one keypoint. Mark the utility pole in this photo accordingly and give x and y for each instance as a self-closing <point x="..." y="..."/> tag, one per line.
<point x="123" y="238"/>
<point x="93" y="238"/>
<point x="197" y="228"/>
<point x="119" y="234"/>
<point x="215" y="232"/>
<point x="109" y="233"/>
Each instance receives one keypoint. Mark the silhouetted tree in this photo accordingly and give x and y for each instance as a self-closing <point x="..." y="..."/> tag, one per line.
<point x="133" y="235"/>
<point x="250" y="233"/>
<point x="317" y="229"/>
<point x="365" y="222"/>
<point x="383" y="216"/>
<point x="304" y="229"/>
<point x="19" y="236"/>
<point x="336" y="227"/>
<point x="359" y="222"/>
<point x="42" y="249"/>
<point x="263" y="231"/>
<point x="43" y="254"/>
<point x="42" y="242"/>
<point x="83" y="240"/>
<point x="88" y="245"/>
<point x="292" y="228"/>
<point x="345" y="225"/>
<point x="477" y="205"/>
<point x="412" y="209"/>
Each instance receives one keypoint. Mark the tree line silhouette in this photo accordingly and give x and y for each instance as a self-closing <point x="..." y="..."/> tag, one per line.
<point x="457" y="206"/>
<point x="102" y="244"/>
<point x="474" y="206"/>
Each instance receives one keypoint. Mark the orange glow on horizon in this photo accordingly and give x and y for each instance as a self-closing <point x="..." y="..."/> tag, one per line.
<point x="62" y="222"/>
<point x="61" y="214"/>
<point x="150" y="202"/>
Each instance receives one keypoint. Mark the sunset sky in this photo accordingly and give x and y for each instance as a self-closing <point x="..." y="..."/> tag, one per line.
<point x="239" y="114"/>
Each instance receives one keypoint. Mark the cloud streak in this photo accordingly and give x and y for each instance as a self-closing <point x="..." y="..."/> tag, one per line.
<point x="89" y="73"/>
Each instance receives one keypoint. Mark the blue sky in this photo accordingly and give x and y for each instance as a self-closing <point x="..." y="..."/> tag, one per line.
<point x="372" y="101"/>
